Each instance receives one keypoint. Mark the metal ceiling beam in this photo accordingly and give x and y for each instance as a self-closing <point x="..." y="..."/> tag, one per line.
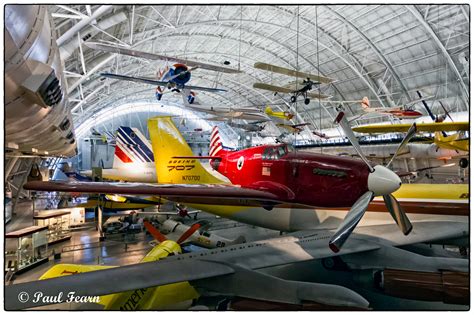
<point x="83" y="23"/>
<point x="372" y="45"/>
<point x="90" y="72"/>
<point x="443" y="49"/>
<point x="213" y="23"/>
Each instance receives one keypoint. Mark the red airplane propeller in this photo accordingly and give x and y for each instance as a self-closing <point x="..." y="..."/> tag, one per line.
<point x="378" y="174"/>
<point x="161" y="238"/>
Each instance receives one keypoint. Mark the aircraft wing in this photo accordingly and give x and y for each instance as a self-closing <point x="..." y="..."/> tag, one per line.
<point x="299" y="247"/>
<point x="206" y="89"/>
<point x="281" y="89"/>
<point x="203" y="194"/>
<point x="156" y="82"/>
<point x="151" y="56"/>
<point x="134" y="79"/>
<point x="290" y="72"/>
<point x="272" y="88"/>
<point x="426" y="127"/>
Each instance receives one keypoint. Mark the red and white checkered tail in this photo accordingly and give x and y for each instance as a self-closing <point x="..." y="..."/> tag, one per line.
<point x="216" y="144"/>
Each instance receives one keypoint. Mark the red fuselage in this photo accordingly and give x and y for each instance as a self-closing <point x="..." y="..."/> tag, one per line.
<point x="405" y="113"/>
<point x="296" y="177"/>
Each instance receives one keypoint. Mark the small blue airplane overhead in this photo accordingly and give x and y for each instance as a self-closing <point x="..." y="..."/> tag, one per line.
<point x="173" y="78"/>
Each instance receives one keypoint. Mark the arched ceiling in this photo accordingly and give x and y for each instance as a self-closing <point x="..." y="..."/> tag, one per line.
<point x="385" y="52"/>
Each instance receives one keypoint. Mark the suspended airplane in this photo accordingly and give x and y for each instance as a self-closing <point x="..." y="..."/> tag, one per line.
<point x="377" y="251"/>
<point x="399" y="111"/>
<point x="284" y="176"/>
<point x="296" y="128"/>
<point x="457" y="141"/>
<point x="225" y="113"/>
<point x="321" y="135"/>
<point x="295" y="89"/>
<point x="173" y="78"/>
<point x="285" y="115"/>
<point x="252" y="127"/>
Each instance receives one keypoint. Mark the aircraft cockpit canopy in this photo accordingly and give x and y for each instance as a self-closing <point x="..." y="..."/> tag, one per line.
<point x="276" y="152"/>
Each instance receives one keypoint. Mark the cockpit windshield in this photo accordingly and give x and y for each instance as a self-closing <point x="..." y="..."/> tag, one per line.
<point x="276" y="152"/>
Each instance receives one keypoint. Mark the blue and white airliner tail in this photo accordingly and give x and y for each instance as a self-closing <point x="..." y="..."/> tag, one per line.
<point x="131" y="146"/>
<point x="133" y="158"/>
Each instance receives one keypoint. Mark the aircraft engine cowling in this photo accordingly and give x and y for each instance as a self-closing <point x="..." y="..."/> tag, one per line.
<point x="449" y="287"/>
<point x="182" y="74"/>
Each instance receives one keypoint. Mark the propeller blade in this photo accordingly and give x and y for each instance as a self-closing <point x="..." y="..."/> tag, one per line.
<point x="188" y="233"/>
<point x="445" y="111"/>
<point x="398" y="214"/>
<point x="342" y="121"/>
<point x="350" y="221"/>
<point x="154" y="232"/>
<point x="411" y="132"/>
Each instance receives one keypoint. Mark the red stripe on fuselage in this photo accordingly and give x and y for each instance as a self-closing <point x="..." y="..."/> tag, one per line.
<point x="121" y="155"/>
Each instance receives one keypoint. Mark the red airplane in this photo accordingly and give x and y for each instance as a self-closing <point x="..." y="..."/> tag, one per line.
<point x="267" y="176"/>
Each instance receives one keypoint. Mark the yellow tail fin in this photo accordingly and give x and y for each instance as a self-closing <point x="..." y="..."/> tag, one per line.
<point x="167" y="142"/>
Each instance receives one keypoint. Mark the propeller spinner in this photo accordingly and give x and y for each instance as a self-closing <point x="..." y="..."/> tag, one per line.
<point x="381" y="182"/>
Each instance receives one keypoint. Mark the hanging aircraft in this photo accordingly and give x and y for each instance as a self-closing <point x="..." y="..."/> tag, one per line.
<point x="285" y="115"/>
<point x="295" y="128"/>
<point x="173" y="77"/>
<point x="399" y="111"/>
<point x="225" y="113"/>
<point x="295" y="89"/>
<point x="457" y="141"/>
<point x="251" y="127"/>
<point x="379" y="254"/>
<point x="320" y="181"/>
<point x="321" y="135"/>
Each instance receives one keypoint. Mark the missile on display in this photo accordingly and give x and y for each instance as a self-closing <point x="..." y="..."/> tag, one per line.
<point x="38" y="120"/>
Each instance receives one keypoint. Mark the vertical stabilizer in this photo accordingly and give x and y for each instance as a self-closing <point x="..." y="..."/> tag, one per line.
<point x="132" y="148"/>
<point x="167" y="142"/>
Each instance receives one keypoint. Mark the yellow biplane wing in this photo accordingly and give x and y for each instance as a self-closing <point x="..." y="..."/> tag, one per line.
<point x="423" y="127"/>
<point x="281" y="89"/>
<point x="292" y="73"/>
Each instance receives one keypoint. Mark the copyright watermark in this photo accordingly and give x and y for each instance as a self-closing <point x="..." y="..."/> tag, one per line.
<point x="23" y="297"/>
<point x="61" y="297"/>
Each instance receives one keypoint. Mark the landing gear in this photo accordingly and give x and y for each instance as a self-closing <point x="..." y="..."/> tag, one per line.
<point x="293" y="99"/>
<point x="306" y="101"/>
<point x="463" y="163"/>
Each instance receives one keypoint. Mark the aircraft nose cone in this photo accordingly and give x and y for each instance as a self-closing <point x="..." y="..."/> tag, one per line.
<point x="383" y="181"/>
